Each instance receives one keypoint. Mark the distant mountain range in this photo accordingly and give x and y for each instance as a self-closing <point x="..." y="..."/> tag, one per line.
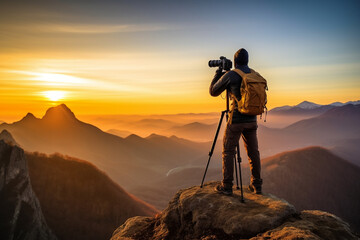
<point x="338" y="123"/>
<point x="308" y="108"/>
<point x="153" y="168"/>
<point x="196" y="131"/>
<point x="329" y="129"/>
<point x="129" y="161"/>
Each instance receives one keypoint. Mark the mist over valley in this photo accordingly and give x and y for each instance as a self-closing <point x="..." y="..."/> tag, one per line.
<point x="172" y="154"/>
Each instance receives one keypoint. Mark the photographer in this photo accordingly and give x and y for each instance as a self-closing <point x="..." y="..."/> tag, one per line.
<point x="239" y="124"/>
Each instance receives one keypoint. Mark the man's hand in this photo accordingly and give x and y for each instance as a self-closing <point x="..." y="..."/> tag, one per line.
<point x="219" y="71"/>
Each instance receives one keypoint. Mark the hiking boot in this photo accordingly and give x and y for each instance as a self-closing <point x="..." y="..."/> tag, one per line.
<point x="220" y="189"/>
<point x="255" y="189"/>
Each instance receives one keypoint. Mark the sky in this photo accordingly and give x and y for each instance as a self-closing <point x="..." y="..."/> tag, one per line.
<point x="150" y="57"/>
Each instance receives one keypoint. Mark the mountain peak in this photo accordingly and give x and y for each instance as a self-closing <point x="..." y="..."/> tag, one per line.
<point x="60" y="112"/>
<point x="29" y="117"/>
<point x="336" y="104"/>
<point x="155" y="136"/>
<point x="308" y="105"/>
<point x="133" y="137"/>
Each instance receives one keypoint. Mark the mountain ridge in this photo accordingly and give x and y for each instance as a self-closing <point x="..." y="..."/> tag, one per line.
<point x="79" y="200"/>
<point x="119" y="157"/>
<point x="308" y="108"/>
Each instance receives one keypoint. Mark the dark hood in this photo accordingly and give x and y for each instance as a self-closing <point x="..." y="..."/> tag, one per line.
<point x="241" y="57"/>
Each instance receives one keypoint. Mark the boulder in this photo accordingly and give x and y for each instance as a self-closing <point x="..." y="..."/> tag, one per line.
<point x="310" y="225"/>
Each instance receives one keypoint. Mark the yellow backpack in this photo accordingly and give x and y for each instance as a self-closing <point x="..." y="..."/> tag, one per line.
<point x="253" y="93"/>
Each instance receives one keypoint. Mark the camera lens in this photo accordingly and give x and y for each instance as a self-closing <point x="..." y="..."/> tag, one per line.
<point x="214" y="63"/>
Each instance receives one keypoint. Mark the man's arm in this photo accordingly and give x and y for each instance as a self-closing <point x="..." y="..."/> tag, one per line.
<point x="219" y="83"/>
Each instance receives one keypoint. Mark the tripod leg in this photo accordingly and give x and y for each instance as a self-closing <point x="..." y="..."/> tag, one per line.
<point x="239" y="162"/>
<point x="213" y="146"/>
<point x="236" y="173"/>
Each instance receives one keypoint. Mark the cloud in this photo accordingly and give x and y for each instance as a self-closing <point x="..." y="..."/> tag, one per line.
<point x="68" y="81"/>
<point x="90" y="28"/>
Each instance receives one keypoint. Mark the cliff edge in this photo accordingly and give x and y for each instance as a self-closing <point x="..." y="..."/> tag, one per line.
<point x="21" y="216"/>
<point x="201" y="213"/>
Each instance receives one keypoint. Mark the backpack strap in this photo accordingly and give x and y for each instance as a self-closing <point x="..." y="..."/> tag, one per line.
<point x="238" y="71"/>
<point x="232" y="108"/>
<point x="241" y="73"/>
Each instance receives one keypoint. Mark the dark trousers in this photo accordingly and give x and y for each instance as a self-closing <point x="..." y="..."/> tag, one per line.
<point x="230" y="141"/>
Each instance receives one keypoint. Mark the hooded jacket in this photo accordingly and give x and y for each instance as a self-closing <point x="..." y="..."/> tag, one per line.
<point x="231" y="81"/>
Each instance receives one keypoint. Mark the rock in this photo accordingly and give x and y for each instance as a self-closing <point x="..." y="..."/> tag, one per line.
<point x="201" y="213"/>
<point x="20" y="212"/>
<point x="8" y="138"/>
<point x="311" y="225"/>
<point x="137" y="227"/>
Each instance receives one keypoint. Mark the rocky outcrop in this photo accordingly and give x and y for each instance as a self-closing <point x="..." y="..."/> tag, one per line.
<point x="20" y="212"/>
<point x="7" y="138"/>
<point x="201" y="213"/>
<point x="310" y="225"/>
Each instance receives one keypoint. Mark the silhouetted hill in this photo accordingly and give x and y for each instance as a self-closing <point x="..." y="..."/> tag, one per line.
<point x="201" y="213"/>
<point x="21" y="216"/>
<point x="314" y="178"/>
<point x="175" y="143"/>
<point x="348" y="149"/>
<point x="78" y="200"/>
<point x="119" y="133"/>
<point x="195" y="131"/>
<point x="130" y="161"/>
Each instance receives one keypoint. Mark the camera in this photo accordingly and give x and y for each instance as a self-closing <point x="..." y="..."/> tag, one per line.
<point x="223" y="63"/>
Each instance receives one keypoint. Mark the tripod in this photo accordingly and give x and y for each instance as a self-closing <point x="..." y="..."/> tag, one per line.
<point x="237" y="155"/>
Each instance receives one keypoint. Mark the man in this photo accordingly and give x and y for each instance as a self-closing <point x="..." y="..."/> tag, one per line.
<point x="239" y="125"/>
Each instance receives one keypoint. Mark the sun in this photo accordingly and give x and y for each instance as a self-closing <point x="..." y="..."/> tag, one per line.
<point x="54" y="95"/>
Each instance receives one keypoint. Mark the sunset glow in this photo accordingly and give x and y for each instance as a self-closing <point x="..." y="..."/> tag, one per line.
<point x="114" y="63"/>
<point x="54" y="95"/>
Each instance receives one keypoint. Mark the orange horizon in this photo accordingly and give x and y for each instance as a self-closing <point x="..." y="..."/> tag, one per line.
<point x="17" y="111"/>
